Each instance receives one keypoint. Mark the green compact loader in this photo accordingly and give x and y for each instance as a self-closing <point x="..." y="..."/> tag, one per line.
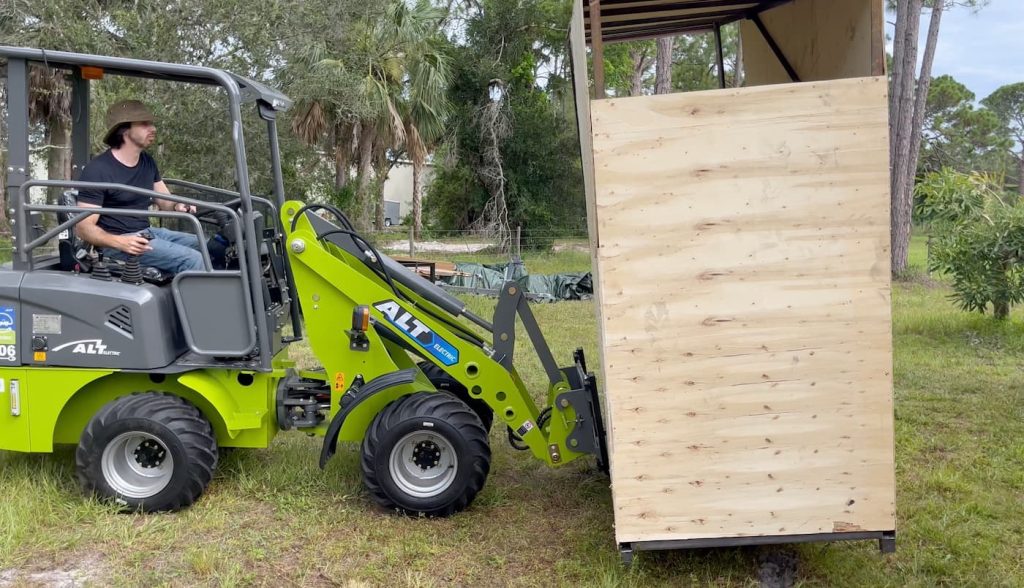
<point x="151" y="374"/>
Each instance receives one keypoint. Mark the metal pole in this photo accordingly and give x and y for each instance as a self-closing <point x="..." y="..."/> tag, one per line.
<point x="17" y="153"/>
<point x="519" y="241"/>
<point x="720" y="56"/>
<point x="79" y="123"/>
<point x="248" y="224"/>
<point x="275" y="163"/>
<point x="786" y="65"/>
<point x="275" y="166"/>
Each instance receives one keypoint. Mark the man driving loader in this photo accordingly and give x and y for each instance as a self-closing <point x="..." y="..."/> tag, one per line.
<point x="130" y="130"/>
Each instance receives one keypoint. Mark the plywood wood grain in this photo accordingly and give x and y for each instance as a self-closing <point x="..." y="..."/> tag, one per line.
<point x="743" y="268"/>
<point x="822" y="39"/>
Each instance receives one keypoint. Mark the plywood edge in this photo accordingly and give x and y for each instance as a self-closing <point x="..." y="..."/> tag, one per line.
<point x="581" y="89"/>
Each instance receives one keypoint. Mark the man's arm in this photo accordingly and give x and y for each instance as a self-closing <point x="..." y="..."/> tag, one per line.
<point x="93" y="234"/>
<point x="168" y="204"/>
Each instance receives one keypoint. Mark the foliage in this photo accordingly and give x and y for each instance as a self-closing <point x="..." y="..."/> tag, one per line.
<point x="958" y="135"/>
<point x="1007" y="103"/>
<point x="540" y="156"/>
<point x="978" y="239"/>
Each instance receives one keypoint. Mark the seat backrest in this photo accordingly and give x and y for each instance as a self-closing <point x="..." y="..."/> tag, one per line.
<point x="67" y="198"/>
<point x="68" y="243"/>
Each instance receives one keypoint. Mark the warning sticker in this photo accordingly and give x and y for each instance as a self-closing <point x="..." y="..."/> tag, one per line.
<point x="525" y="428"/>
<point x="8" y="334"/>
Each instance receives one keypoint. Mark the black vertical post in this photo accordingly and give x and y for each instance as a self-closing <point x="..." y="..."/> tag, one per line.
<point x="275" y="165"/>
<point x="275" y="162"/>
<point x="719" y="55"/>
<point x="79" y="123"/>
<point x="18" y="169"/>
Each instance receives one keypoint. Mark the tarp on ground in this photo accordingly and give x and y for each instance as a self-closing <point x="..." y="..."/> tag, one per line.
<point x="551" y="287"/>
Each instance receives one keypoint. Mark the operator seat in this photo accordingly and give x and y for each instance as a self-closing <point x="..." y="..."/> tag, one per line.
<point x="73" y="251"/>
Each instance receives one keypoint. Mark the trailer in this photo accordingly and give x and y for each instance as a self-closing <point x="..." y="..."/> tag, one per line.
<point x="741" y="252"/>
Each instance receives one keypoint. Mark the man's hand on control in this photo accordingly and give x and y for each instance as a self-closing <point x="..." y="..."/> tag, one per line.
<point x="182" y="207"/>
<point x="133" y="244"/>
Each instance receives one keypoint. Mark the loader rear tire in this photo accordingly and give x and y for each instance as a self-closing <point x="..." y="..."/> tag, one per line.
<point x="147" y="452"/>
<point x="425" y="455"/>
<point x="445" y="383"/>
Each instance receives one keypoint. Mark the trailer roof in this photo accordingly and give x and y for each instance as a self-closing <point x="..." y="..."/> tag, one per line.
<point x="250" y="90"/>
<point x="627" y="20"/>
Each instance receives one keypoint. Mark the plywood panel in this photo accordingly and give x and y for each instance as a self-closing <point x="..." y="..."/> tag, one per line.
<point x="745" y="311"/>
<point x="822" y="39"/>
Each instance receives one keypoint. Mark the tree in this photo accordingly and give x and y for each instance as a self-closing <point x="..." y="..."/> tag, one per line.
<point x="979" y="239"/>
<point x="663" y="75"/>
<point x="1007" y="103"/>
<point x="909" y="98"/>
<point x="957" y="135"/>
<point x="494" y="72"/>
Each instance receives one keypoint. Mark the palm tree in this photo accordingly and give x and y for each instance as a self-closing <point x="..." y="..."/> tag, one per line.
<point x="368" y="93"/>
<point x="50" y="105"/>
<point x="427" y="110"/>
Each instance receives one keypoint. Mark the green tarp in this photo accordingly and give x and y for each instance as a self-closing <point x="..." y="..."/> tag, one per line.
<point x="487" y="277"/>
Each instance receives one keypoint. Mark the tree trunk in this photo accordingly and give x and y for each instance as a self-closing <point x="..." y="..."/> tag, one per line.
<point x="905" y="189"/>
<point x="663" y="73"/>
<point x="342" y="151"/>
<point x="1020" y="175"/>
<point x="737" y="70"/>
<point x="902" y="201"/>
<point x="1000" y="309"/>
<point x="417" y="199"/>
<point x="899" y="43"/>
<point x="58" y="160"/>
<point x="636" y="87"/>
<point x="363" y="202"/>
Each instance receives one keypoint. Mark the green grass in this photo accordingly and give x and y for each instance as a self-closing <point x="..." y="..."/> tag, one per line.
<point x="272" y="517"/>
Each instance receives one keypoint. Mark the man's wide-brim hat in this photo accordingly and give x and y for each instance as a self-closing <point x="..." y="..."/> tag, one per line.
<point x="126" y="111"/>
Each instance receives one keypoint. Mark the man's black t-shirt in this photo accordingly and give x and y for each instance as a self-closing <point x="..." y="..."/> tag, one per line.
<point x="106" y="168"/>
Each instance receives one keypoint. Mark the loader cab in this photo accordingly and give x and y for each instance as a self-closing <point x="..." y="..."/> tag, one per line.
<point x="74" y="309"/>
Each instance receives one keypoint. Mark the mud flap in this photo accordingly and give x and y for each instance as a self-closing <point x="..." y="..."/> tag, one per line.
<point x="355" y="396"/>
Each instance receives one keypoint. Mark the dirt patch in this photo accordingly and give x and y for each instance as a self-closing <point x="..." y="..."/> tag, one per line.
<point x="777" y="569"/>
<point x="575" y="247"/>
<point x="87" y="571"/>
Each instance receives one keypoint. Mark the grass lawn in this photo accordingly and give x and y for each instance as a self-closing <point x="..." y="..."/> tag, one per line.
<point x="272" y="517"/>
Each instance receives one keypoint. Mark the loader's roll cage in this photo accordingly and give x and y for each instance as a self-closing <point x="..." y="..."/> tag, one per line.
<point x="239" y="91"/>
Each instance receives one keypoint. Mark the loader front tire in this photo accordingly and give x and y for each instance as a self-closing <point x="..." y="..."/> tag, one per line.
<point x="445" y="383"/>
<point x="425" y="455"/>
<point x="147" y="452"/>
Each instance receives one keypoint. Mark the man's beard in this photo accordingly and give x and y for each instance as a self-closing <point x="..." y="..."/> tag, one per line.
<point x="140" y="144"/>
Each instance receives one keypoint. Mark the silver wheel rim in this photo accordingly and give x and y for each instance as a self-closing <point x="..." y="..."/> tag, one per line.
<point x="423" y="464"/>
<point x="137" y="465"/>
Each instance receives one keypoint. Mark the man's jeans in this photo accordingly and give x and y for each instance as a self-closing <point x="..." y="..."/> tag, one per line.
<point x="171" y="251"/>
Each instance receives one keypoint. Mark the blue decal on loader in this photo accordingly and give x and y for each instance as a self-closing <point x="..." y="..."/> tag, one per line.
<point x="8" y="334"/>
<point x="444" y="351"/>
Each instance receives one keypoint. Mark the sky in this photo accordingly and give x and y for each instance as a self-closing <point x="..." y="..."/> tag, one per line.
<point x="982" y="50"/>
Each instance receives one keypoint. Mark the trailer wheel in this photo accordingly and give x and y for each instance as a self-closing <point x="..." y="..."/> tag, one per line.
<point x="148" y="452"/>
<point x="425" y="454"/>
<point x="445" y="383"/>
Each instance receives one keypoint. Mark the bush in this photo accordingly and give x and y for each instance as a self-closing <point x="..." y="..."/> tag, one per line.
<point x="978" y="239"/>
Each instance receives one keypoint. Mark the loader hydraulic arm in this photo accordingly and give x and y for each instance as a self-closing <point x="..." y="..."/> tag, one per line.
<point x="338" y="274"/>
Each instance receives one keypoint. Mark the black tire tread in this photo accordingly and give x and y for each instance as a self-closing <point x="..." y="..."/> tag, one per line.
<point x="179" y="416"/>
<point x="441" y="406"/>
<point x="444" y="382"/>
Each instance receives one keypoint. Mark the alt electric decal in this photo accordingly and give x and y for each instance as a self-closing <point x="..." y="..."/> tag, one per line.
<point x="421" y="333"/>
<point x="87" y="347"/>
